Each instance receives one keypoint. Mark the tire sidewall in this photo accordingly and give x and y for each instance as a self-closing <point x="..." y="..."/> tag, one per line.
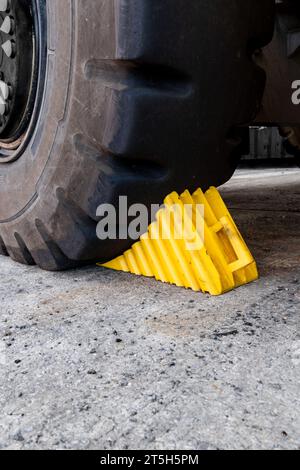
<point x="20" y="179"/>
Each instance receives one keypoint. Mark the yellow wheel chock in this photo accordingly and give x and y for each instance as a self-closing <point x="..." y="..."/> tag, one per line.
<point x="200" y="248"/>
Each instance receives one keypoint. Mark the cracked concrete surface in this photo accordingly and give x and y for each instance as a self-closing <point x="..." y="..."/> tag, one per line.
<point x="93" y="359"/>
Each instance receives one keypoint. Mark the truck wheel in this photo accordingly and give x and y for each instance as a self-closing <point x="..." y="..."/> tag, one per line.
<point x="106" y="98"/>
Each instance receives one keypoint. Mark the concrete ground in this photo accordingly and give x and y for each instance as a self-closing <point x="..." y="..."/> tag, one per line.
<point x="93" y="359"/>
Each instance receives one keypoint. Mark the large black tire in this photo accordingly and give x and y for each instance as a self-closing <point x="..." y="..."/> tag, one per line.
<point x="141" y="98"/>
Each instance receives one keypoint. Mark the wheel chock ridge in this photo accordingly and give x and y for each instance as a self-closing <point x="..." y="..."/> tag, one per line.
<point x="210" y="256"/>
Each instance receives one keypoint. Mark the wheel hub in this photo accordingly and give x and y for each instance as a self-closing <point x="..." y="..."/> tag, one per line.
<point x="17" y="68"/>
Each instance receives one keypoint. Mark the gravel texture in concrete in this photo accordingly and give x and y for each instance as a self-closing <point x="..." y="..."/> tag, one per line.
<point x="93" y="359"/>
